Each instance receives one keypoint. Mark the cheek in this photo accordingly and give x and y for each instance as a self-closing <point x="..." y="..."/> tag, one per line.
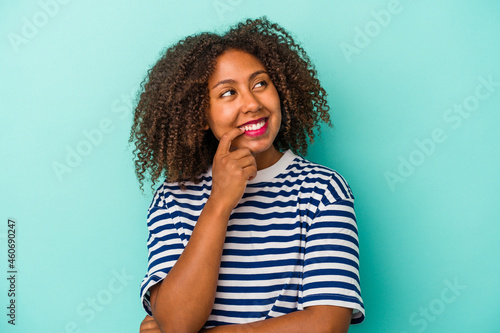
<point x="277" y="107"/>
<point x="275" y="98"/>
<point x="220" y="120"/>
<point x="223" y="117"/>
<point x="278" y="120"/>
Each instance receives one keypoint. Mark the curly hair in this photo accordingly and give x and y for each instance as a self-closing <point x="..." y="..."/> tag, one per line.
<point x="170" y="115"/>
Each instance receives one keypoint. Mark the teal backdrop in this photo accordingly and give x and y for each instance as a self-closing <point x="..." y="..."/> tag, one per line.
<point x="414" y="90"/>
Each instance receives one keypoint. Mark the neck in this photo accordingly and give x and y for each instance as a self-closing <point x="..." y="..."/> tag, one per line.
<point x="267" y="158"/>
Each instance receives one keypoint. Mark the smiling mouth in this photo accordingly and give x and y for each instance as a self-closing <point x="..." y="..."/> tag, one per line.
<point x="254" y="127"/>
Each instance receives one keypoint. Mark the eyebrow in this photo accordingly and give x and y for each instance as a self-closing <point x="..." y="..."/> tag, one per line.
<point x="254" y="74"/>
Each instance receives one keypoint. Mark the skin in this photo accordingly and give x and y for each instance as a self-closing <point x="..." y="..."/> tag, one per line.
<point x="182" y="302"/>
<point x="242" y="91"/>
<point x="316" y="319"/>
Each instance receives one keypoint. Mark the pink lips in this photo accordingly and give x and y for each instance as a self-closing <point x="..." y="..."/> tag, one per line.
<point x="258" y="132"/>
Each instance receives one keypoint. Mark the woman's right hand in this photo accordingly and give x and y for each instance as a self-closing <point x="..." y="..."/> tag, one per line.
<point x="149" y="325"/>
<point x="231" y="170"/>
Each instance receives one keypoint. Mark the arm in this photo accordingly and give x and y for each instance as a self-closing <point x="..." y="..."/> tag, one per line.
<point x="184" y="299"/>
<point x="315" y="319"/>
<point x="182" y="302"/>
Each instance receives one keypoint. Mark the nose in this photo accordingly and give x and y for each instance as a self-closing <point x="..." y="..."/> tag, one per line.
<point x="250" y="103"/>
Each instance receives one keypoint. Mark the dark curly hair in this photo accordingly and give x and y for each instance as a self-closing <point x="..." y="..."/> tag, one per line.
<point x="170" y="114"/>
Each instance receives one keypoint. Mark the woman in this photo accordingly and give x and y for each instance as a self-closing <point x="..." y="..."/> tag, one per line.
<point x="244" y="233"/>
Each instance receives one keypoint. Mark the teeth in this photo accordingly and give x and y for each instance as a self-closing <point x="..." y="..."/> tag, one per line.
<point x="253" y="127"/>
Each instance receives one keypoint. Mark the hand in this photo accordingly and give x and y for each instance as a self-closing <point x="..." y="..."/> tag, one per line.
<point x="149" y="325"/>
<point x="231" y="170"/>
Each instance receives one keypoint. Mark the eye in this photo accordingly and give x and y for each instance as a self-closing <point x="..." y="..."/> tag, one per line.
<point x="226" y="93"/>
<point x="261" y="84"/>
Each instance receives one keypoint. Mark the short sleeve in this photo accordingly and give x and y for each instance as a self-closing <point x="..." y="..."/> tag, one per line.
<point x="165" y="246"/>
<point x="331" y="265"/>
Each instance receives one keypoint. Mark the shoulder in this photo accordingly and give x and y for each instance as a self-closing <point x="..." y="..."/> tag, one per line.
<point x="326" y="180"/>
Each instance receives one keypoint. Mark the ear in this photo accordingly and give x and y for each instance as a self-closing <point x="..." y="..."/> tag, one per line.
<point x="206" y="127"/>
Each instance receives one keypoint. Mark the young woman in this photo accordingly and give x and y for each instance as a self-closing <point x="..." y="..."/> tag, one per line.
<point x="244" y="233"/>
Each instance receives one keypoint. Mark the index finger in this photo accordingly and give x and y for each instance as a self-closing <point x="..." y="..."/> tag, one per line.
<point x="148" y="323"/>
<point x="225" y="140"/>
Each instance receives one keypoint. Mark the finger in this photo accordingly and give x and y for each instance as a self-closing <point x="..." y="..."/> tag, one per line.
<point x="148" y="323"/>
<point x="242" y="152"/>
<point x="148" y="318"/>
<point x="150" y="330"/>
<point x="239" y="160"/>
<point x="225" y="140"/>
<point x="247" y="161"/>
<point x="153" y="329"/>
<point x="250" y="172"/>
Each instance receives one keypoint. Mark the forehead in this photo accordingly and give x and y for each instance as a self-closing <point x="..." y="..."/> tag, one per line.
<point x="234" y="64"/>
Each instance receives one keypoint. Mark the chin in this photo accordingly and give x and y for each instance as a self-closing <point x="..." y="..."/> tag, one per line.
<point x="259" y="149"/>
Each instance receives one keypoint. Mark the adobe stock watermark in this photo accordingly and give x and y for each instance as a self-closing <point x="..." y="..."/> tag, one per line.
<point x="363" y="36"/>
<point x="12" y="270"/>
<point x="224" y="6"/>
<point x="421" y="319"/>
<point x="31" y="26"/>
<point x="454" y="116"/>
<point x="92" y="137"/>
<point x="88" y="309"/>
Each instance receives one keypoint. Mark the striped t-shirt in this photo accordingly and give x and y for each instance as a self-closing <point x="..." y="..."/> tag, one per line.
<point x="291" y="242"/>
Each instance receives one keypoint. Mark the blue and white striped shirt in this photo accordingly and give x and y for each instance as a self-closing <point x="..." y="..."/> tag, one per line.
<point x="291" y="242"/>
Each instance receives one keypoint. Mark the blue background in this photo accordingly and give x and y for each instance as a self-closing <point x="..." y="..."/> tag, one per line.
<point x="395" y="72"/>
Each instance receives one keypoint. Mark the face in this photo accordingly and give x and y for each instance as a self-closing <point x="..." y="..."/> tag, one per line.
<point x="242" y="95"/>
